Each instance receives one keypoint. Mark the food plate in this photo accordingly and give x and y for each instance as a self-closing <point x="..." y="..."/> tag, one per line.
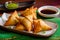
<point x="41" y="34"/>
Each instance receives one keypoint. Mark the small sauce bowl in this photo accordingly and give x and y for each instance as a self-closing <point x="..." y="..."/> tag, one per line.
<point x="50" y="11"/>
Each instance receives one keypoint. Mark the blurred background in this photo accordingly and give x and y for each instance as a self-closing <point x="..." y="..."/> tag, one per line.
<point x="38" y="2"/>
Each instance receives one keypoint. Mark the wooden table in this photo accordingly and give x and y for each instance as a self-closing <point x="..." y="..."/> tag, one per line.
<point x="39" y="3"/>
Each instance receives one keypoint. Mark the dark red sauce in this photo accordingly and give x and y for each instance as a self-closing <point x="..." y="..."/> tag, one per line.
<point x="48" y="11"/>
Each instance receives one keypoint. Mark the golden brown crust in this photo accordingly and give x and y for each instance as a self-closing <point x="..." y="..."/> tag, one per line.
<point x="12" y="19"/>
<point x="19" y="27"/>
<point x="37" y="26"/>
<point x="26" y="23"/>
<point x="30" y="11"/>
<point x="44" y="26"/>
<point x="40" y="25"/>
<point x="30" y="18"/>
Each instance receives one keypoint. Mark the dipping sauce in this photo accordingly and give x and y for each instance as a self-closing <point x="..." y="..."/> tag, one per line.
<point x="12" y="6"/>
<point x="48" y="11"/>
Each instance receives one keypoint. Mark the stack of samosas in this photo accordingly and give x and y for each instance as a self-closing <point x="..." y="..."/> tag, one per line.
<point x="27" y="21"/>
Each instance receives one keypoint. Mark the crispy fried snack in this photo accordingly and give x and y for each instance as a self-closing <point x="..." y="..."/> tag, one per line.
<point x="26" y="23"/>
<point x="26" y="12"/>
<point x="44" y="26"/>
<point x="37" y="26"/>
<point x="33" y="11"/>
<point x="19" y="27"/>
<point x="30" y="18"/>
<point x="30" y="11"/>
<point x="12" y="19"/>
<point x="40" y="25"/>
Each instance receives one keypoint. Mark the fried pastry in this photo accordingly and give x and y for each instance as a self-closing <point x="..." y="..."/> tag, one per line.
<point x="26" y="23"/>
<point x="12" y="19"/>
<point x="37" y="26"/>
<point x="30" y="11"/>
<point x="33" y="11"/>
<point x="30" y="18"/>
<point x="26" y="12"/>
<point x="40" y="25"/>
<point x="19" y="27"/>
<point x="44" y="26"/>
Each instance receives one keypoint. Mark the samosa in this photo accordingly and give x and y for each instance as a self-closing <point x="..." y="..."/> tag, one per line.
<point x="44" y="26"/>
<point x="26" y="23"/>
<point x="12" y="19"/>
<point x="26" y="12"/>
<point x="19" y="27"/>
<point x="37" y="26"/>
<point x="40" y="25"/>
<point x="33" y="12"/>
<point x="30" y="11"/>
<point x="30" y="18"/>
